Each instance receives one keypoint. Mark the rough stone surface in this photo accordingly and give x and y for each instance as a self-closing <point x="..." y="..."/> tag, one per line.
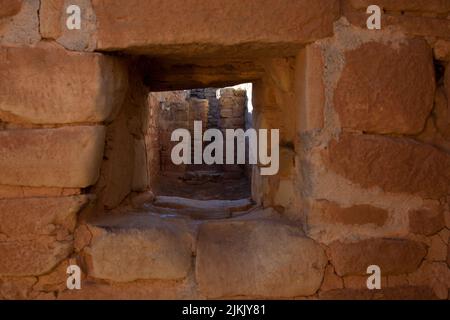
<point x="257" y="258"/>
<point x="379" y="91"/>
<point x="52" y="19"/>
<point x="302" y="21"/>
<point x="159" y="251"/>
<point x="24" y="219"/>
<point x="36" y="233"/>
<point x="393" y="256"/>
<point x="62" y="157"/>
<point x="311" y="67"/>
<point x="19" y="23"/>
<point x="332" y="212"/>
<point x="432" y="274"/>
<point x="47" y="85"/>
<point x="416" y="24"/>
<point x="392" y="162"/>
<point x="427" y="221"/>
<point x="12" y="288"/>
<point x="441" y="50"/>
<point x="331" y="280"/>
<point x="116" y="177"/>
<point x="438" y="249"/>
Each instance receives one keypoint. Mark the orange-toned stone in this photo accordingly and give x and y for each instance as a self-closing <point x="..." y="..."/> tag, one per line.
<point x="28" y="218"/>
<point x="61" y="157"/>
<point x="427" y="221"/>
<point x="286" y="265"/>
<point x="12" y="288"/>
<point x="47" y="85"/>
<point x="393" y="256"/>
<point x="379" y="91"/>
<point x="392" y="160"/>
<point x="331" y="280"/>
<point x="19" y="23"/>
<point x="354" y="215"/>
<point x="411" y="24"/>
<point x="296" y="22"/>
<point x="311" y="88"/>
<point x="441" y="50"/>
<point x="9" y="8"/>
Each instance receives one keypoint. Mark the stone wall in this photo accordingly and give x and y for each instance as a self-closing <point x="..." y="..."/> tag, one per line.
<point x="364" y="149"/>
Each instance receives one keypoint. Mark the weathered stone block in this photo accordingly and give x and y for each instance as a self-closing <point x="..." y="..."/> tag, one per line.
<point x="257" y="258"/>
<point x="19" y="22"/>
<point x="9" y="8"/>
<point x="311" y="88"/>
<point x="36" y="233"/>
<point x="331" y="212"/>
<point x="27" y="219"/>
<point x="158" y="251"/>
<point x="392" y="162"/>
<point x="426" y="221"/>
<point x="47" y="85"/>
<point x="393" y="256"/>
<point x="52" y="24"/>
<point x="61" y="157"/>
<point x="379" y="90"/>
<point x="22" y="258"/>
<point x="302" y="21"/>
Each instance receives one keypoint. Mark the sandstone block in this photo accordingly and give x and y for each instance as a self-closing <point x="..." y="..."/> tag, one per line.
<point x="379" y="91"/>
<point x="257" y="258"/>
<point x="15" y="288"/>
<point x="39" y="256"/>
<point x="140" y="174"/>
<point x="47" y="85"/>
<point x="411" y="24"/>
<point x="302" y="21"/>
<point x="426" y="221"/>
<point x="392" y="162"/>
<point x="331" y="280"/>
<point x="433" y="274"/>
<point x="19" y="22"/>
<point x="393" y="256"/>
<point x="311" y="84"/>
<point x="438" y="249"/>
<point x="441" y="50"/>
<point x="62" y="157"/>
<point x="160" y="251"/>
<point x="25" y="219"/>
<point x="331" y="212"/>
<point x="116" y="178"/>
<point x="52" y="24"/>
<point x="36" y="233"/>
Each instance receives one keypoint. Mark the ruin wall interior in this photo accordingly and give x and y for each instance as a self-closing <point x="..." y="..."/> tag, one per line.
<point x="364" y="120"/>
